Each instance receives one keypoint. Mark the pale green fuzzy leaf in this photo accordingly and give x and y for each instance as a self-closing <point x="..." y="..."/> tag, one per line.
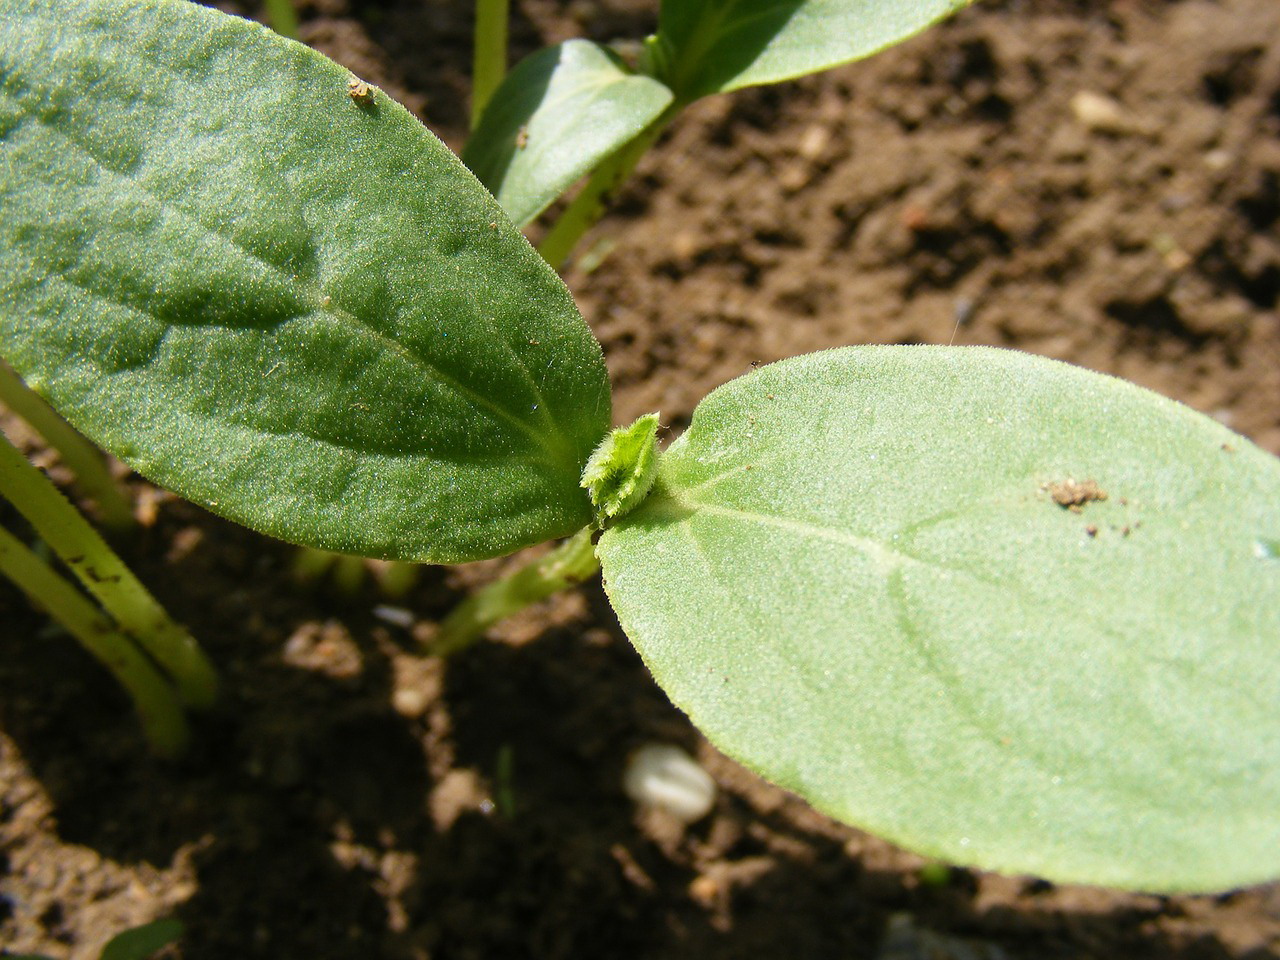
<point x="621" y="471"/>
<point x="713" y="46"/>
<point x="290" y="304"/>
<point x="554" y="118"/>
<point x="854" y="575"/>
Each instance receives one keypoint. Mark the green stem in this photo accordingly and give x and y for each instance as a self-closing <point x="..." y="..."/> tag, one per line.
<point x="603" y="186"/>
<point x="105" y="576"/>
<point x="80" y="456"/>
<point x="396" y="578"/>
<point x="153" y="698"/>
<point x="311" y="564"/>
<point x="489" y="63"/>
<point x="567" y="565"/>
<point x="504" y="777"/>
<point x="282" y="18"/>
<point x="349" y="573"/>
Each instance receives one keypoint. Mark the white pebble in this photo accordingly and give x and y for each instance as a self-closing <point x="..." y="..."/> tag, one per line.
<point x="664" y="776"/>
<point x="396" y="616"/>
<point x="1099" y="112"/>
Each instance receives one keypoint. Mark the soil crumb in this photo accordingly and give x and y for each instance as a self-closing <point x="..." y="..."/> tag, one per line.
<point x="1072" y="494"/>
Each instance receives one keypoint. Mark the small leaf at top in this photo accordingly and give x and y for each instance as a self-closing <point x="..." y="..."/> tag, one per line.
<point x="621" y="471"/>
<point x="713" y="46"/>
<point x="858" y="573"/>
<point x="554" y="118"/>
<point x="270" y="289"/>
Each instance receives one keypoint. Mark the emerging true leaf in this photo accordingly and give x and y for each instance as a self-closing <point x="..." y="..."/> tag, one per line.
<point x="554" y="118"/>
<point x="1001" y="610"/>
<point x="713" y="46"/>
<point x="272" y="290"/>
<point x="622" y="469"/>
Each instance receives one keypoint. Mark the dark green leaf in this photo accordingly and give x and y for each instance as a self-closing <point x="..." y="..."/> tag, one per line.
<point x="887" y="579"/>
<point x="278" y="296"/>
<point x="556" y="115"/>
<point x="141" y="942"/>
<point x="712" y="46"/>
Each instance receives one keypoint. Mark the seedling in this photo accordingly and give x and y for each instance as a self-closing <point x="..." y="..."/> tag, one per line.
<point x="156" y="661"/>
<point x="135" y="638"/>
<point x="105" y="633"/>
<point x="305" y="314"/>
<point x="580" y="109"/>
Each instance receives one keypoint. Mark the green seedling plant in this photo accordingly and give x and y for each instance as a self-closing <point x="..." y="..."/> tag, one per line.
<point x="1003" y="611"/>
<point x="155" y="659"/>
<point x="157" y="662"/>
<point x="580" y="109"/>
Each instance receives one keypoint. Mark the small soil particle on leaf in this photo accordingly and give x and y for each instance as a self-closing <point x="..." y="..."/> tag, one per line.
<point x="359" y="91"/>
<point x="1073" y="494"/>
<point x="522" y="138"/>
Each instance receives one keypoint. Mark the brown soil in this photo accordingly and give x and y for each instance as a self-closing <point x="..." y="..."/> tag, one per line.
<point x="1094" y="181"/>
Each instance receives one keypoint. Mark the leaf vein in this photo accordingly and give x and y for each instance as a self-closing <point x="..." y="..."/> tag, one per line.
<point x="322" y="305"/>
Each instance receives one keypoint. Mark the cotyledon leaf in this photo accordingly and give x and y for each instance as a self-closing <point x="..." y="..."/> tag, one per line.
<point x="998" y="609"/>
<point x="713" y="46"/>
<point x="270" y="289"/>
<point x="556" y="115"/>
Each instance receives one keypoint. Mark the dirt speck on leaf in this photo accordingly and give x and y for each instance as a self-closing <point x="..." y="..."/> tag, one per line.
<point x="1073" y="494"/>
<point x="358" y="90"/>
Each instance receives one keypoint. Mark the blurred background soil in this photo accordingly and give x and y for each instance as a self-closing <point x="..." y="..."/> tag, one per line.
<point x="1094" y="181"/>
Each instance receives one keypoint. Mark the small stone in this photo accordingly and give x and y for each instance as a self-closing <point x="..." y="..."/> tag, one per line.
<point x="1218" y="159"/>
<point x="396" y="616"/>
<point x="410" y="701"/>
<point x="1100" y="113"/>
<point x="813" y="141"/>
<point x="662" y="775"/>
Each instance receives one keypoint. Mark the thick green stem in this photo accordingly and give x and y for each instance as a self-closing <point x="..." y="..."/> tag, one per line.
<point x="489" y="63"/>
<point x="105" y="576"/>
<point x="153" y="698"/>
<point x="600" y="190"/>
<point x="567" y="565"/>
<point x="80" y="456"/>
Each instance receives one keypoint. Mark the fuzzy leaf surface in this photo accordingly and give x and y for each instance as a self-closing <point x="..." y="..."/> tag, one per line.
<point x="554" y="118"/>
<point x="855" y="574"/>
<point x="713" y="46"/>
<point x="290" y="304"/>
